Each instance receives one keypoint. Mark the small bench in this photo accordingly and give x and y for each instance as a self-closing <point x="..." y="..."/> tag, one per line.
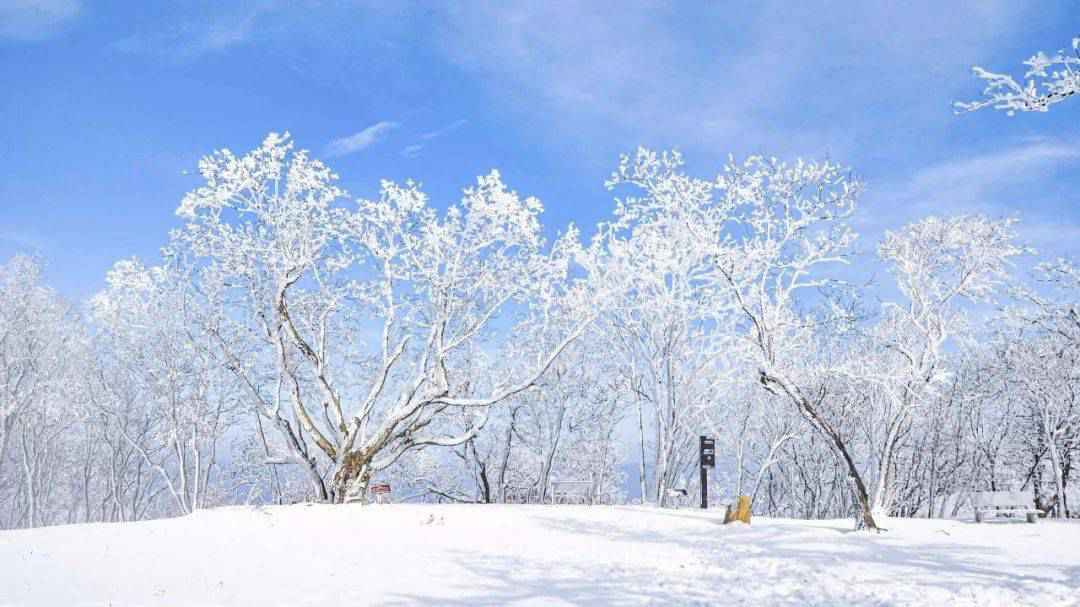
<point x="678" y="496"/>
<point x="521" y="495"/>
<point x="571" y="492"/>
<point x="1007" y="503"/>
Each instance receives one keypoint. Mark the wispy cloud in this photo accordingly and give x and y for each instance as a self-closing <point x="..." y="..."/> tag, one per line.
<point x="414" y="150"/>
<point x="750" y="78"/>
<point x="188" y="39"/>
<point x="1008" y="182"/>
<point x="32" y="20"/>
<point x="973" y="179"/>
<point x="446" y="130"/>
<point x="359" y="141"/>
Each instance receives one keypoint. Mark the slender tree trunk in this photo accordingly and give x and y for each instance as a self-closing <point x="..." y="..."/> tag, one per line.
<point x="481" y="472"/>
<point x="506" y="456"/>
<point x="1059" y="481"/>
<point x="6" y="426"/>
<point x="318" y="485"/>
<point x="641" y="466"/>
<point x="275" y="483"/>
<point x="30" y="470"/>
<point x="767" y="464"/>
<point x="882" y="503"/>
<point x="862" y="498"/>
<point x="549" y="459"/>
<point x="485" y="486"/>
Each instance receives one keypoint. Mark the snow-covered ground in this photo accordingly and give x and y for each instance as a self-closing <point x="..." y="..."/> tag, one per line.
<point x="542" y="555"/>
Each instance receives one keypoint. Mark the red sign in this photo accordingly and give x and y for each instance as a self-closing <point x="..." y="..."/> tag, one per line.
<point x="379" y="489"/>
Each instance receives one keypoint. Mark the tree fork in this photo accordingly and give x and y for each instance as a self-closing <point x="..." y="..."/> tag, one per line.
<point x="353" y="473"/>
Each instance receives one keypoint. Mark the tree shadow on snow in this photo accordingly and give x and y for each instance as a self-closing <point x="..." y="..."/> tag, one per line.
<point x="779" y="564"/>
<point x="510" y="581"/>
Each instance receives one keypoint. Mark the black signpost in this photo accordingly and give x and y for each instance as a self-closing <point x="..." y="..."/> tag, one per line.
<point x="707" y="455"/>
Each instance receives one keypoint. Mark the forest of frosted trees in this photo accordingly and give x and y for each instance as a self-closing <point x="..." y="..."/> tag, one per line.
<point x="295" y="343"/>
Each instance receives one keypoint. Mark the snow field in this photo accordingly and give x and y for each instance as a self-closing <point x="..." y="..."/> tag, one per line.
<point x="533" y="555"/>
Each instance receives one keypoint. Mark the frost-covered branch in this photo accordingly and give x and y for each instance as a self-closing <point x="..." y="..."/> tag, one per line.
<point x="1050" y="79"/>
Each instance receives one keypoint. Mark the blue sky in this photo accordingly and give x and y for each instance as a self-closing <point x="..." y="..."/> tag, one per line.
<point x="106" y="107"/>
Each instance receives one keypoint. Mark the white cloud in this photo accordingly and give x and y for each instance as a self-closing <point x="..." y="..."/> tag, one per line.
<point x="359" y="141"/>
<point x="30" y="20"/>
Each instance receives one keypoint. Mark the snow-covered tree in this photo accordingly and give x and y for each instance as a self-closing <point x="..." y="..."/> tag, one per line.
<point x="40" y="339"/>
<point x="1041" y="360"/>
<point x="1047" y="378"/>
<point x="754" y="429"/>
<point x="769" y="230"/>
<point x="363" y="308"/>
<point x="665" y="325"/>
<point x="940" y="264"/>
<point x="154" y="350"/>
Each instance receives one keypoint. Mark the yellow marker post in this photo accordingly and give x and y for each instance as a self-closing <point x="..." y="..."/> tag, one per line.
<point x="742" y="511"/>
<point x="739" y="512"/>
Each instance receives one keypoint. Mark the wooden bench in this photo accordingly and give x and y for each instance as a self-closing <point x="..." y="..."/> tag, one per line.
<point x="571" y="492"/>
<point x="561" y="492"/>
<point x="521" y="495"/>
<point x="1003" y="503"/>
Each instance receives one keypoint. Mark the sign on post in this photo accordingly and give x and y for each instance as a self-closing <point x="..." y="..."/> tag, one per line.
<point x="708" y="452"/>
<point x="381" y="492"/>
<point x="707" y="457"/>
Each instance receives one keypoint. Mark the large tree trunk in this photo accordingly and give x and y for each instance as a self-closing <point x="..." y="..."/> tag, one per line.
<point x="352" y="477"/>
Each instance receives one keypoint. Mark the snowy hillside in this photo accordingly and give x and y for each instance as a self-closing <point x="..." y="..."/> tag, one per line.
<point x="498" y="555"/>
